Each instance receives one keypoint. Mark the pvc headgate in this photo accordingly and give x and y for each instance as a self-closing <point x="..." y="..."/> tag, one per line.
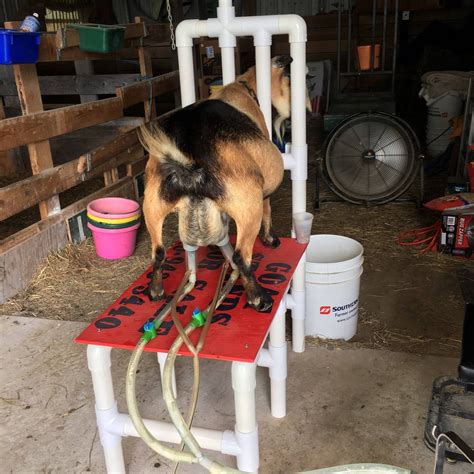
<point x="227" y="27"/>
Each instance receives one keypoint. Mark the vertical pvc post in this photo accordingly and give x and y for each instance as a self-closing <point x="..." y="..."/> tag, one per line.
<point x="299" y="151"/>
<point x="246" y="431"/>
<point x="278" y="369"/>
<point x="186" y="75"/>
<point x="228" y="65"/>
<point x="98" y="361"/>
<point x="264" y="83"/>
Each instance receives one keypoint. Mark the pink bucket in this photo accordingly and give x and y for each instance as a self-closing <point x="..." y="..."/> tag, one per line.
<point x="113" y="244"/>
<point x="113" y="208"/>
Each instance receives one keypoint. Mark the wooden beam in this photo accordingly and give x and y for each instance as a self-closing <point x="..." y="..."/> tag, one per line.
<point x="41" y="126"/>
<point x="157" y="33"/>
<point x="72" y="85"/>
<point x="21" y="195"/>
<point x="84" y="68"/>
<point x="137" y="166"/>
<point x="140" y="92"/>
<point x="11" y="162"/>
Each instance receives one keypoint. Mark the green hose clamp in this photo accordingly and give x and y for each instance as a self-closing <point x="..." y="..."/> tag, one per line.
<point x="199" y="318"/>
<point x="150" y="331"/>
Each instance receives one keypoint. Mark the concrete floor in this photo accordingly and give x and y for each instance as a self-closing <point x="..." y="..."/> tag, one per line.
<point x="344" y="406"/>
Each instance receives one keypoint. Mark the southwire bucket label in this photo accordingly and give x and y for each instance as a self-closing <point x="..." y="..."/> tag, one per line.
<point x="341" y="313"/>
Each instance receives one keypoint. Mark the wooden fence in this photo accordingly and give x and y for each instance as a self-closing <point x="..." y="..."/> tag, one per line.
<point x="21" y="252"/>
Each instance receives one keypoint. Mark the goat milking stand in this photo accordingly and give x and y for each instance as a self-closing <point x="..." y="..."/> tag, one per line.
<point x="237" y="333"/>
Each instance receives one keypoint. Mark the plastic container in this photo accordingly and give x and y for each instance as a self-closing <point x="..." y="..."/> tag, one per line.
<point x="113" y="208"/>
<point x="107" y="221"/>
<point x="441" y="110"/>
<point x="104" y="225"/>
<point x="100" y="38"/>
<point x="30" y="23"/>
<point x="302" y="222"/>
<point x="364" y="53"/>
<point x="19" y="47"/>
<point x="112" y="244"/>
<point x="332" y="280"/>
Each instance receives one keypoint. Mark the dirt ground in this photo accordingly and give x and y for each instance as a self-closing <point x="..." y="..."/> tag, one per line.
<point x="409" y="302"/>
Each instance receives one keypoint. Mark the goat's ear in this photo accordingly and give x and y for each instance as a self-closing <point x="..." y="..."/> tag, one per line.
<point x="282" y="61"/>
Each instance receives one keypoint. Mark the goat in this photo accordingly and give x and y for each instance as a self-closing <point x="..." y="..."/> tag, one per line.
<point x="212" y="161"/>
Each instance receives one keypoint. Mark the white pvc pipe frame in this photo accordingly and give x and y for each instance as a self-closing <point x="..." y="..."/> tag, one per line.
<point x="227" y="27"/>
<point x="241" y="443"/>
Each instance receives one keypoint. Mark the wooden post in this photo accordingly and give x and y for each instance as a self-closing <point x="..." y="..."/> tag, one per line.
<point x="84" y="67"/>
<point x="29" y="93"/>
<point x="146" y="70"/>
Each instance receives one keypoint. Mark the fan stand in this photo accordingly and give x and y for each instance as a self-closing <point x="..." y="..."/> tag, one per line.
<point x="321" y="177"/>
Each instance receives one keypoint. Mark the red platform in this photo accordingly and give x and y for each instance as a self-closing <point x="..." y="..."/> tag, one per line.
<point x="237" y="331"/>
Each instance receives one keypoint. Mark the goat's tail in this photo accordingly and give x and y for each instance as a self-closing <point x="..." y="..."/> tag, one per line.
<point x="161" y="146"/>
<point x="180" y="174"/>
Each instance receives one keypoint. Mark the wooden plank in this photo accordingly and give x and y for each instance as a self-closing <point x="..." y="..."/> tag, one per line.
<point x="40" y="126"/>
<point x="137" y="166"/>
<point x="21" y="195"/>
<point x="11" y="162"/>
<point x="140" y="92"/>
<point x="29" y="94"/>
<point x="73" y="85"/>
<point x="19" y="264"/>
<point x="157" y="33"/>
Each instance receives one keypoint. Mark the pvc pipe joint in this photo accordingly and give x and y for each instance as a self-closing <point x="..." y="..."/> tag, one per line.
<point x="185" y="32"/>
<point x="297" y="162"/>
<point x="105" y="421"/>
<point x="262" y="38"/>
<point x="248" y="460"/>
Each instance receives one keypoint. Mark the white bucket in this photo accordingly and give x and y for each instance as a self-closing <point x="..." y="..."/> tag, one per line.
<point x="438" y="130"/>
<point x="333" y="270"/>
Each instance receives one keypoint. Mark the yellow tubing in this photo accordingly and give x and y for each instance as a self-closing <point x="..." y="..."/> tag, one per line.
<point x="178" y="420"/>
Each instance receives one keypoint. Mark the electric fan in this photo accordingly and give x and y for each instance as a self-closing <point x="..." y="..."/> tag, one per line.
<point x="371" y="158"/>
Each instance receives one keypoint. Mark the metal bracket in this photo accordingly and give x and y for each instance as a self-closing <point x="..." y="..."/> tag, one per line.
<point x="449" y="439"/>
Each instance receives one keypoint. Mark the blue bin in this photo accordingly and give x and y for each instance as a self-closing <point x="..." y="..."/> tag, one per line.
<point x="19" y="47"/>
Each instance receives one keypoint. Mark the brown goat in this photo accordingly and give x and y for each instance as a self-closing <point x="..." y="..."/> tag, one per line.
<point x="212" y="161"/>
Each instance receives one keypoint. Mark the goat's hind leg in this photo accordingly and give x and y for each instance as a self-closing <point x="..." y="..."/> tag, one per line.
<point x="245" y="207"/>
<point x="155" y="212"/>
<point x="267" y="234"/>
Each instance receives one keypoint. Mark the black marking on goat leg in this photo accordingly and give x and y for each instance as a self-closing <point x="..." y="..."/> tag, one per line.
<point x="256" y="296"/>
<point x="156" y="290"/>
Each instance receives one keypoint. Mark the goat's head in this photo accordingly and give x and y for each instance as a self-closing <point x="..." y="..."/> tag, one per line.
<point x="281" y="93"/>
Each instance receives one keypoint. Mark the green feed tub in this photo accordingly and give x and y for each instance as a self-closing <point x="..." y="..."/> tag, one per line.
<point x="100" y="38"/>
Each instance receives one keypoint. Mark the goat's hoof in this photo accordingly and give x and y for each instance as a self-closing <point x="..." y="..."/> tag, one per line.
<point x="262" y="303"/>
<point x="156" y="295"/>
<point x="271" y="241"/>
